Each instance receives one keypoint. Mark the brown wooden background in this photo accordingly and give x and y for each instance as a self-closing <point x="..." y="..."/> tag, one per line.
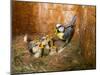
<point x="29" y="17"/>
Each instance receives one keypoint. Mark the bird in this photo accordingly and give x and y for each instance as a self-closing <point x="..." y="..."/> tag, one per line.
<point x="65" y="32"/>
<point x="29" y="42"/>
<point x="45" y="44"/>
<point x="34" y="46"/>
<point x="48" y="45"/>
<point x="37" y="49"/>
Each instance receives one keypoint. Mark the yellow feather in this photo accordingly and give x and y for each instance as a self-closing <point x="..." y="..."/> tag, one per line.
<point x="60" y="35"/>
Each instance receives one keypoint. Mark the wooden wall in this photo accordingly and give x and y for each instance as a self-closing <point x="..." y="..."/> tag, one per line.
<point x="28" y="17"/>
<point x="40" y="17"/>
<point x="88" y="34"/>
<point x="31" y="17"/>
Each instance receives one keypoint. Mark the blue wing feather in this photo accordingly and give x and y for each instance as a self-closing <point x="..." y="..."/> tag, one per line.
<point x="67" y="33"/>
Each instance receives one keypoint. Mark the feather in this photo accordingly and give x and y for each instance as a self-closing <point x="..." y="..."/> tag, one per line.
<point x="71" y="24"/>
<point x="68" y="32"/>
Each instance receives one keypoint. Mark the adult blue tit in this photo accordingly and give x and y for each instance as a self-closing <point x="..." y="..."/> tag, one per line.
<point x="66" y="33"/>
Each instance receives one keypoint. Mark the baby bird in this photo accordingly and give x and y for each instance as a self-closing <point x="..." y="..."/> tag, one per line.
<point x="33" y="46"/>
<point x="30" y="43"/>
<point x="37" y="50"/>
<point x="45" y="45"/>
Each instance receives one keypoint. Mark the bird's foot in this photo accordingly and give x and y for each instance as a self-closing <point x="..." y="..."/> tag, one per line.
<point x="61" y="49"/>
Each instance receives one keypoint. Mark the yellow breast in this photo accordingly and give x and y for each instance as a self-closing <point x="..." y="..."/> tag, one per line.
<point x="60" y="35"/>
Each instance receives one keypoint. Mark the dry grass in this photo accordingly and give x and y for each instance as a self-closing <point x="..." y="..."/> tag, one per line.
<point x="24" y="62"/>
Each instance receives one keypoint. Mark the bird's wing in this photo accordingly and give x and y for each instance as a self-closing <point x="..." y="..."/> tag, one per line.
<point x="72" y="21"/>
<point x="67" y="33"/>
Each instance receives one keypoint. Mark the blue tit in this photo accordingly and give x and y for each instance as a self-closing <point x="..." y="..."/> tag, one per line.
<point x="66" y="33"/>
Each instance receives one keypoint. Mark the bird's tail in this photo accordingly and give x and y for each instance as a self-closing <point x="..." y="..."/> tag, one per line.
<point x="72" y="21"/>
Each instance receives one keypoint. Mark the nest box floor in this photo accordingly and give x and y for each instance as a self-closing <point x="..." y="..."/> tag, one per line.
<point x="23" y="62"/>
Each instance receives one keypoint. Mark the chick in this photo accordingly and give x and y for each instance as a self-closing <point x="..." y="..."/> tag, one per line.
<point x="33" y="46"/>
<point x="37" y="50"/>
<point x="44" y="41"/>
<point x="45" y="45"/>
<point x="29" y="42"/>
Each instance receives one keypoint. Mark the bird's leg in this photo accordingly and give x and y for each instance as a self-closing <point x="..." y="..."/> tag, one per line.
<point x="63" y="47"/>
<point x="65" y="44"/>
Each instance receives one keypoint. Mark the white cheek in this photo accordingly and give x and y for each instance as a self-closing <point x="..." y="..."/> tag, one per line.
<point x="61" y="29"/>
